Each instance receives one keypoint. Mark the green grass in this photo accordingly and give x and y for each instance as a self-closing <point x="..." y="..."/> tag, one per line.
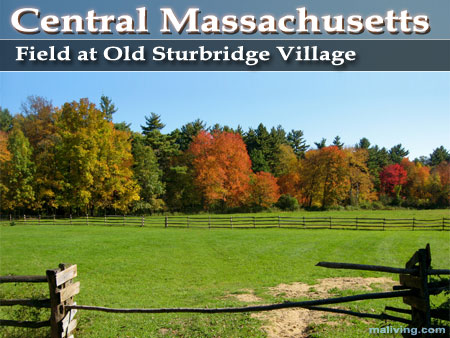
<point x="156" y="267"/>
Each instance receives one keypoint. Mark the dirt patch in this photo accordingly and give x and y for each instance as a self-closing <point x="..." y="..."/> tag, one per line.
<point x="245" y="295"/>
<point x="290" y="323"/>
<point x="324" y="286"/>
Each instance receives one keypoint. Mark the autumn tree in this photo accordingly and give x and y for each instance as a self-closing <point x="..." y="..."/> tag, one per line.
<point x="324" y="176"/>
<point x="360" y="183"/>
<point x="95" y="160"/>
<point x="4" y="152"/>
<point x="288" y="172"/>
<point x="392" y="178"/>
<point x="38" y="122"/>
<point x="416" y="188"/>
<point x="222" y="168"/>
<point x="440" y="183"/>
<point x="264" y="191"/>
<point x="17" y="173"/>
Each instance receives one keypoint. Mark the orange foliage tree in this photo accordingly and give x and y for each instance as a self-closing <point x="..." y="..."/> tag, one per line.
<point x="264" y="190"/>
<point x="222" y="168"/>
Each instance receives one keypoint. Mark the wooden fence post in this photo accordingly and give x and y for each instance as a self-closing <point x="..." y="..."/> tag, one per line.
<point x="105" y="218"/>
<point x="443" y="223"/>
<point x="70" y="219"/>
<point x="39" y="221"/>
<point x="209" y="221"/>
<point x="62" y="290"/>
<point x="187" y="221"/>
<point x="54" y="219"/>
<point x="87" y="219"/>
<point x="166" y="222"/>
<point x="420" y="302"/>
<point x="254" y="222"/>
<point x="356" y="221"/>
<point x="231" y="221"/>
<point x="384" y="223"/>
<point x="143" y="221"/>
<point x="330" y="222"/>
<point x="24" y="218"/>
<point x="413" y="223"/>
<point x="278" y="221"/>
<point x="123" y="220"/>
<point x="304" y="224"/>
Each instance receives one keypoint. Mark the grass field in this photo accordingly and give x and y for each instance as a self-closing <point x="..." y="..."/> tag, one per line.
<point x="156" y="267"/>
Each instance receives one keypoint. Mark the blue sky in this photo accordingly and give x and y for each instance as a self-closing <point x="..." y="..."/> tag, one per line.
<point x="387" y="108"/>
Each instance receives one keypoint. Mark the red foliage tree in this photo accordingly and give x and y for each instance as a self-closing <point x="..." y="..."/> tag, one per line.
<point x="264" y="190"/>
<point x="222" y="168"/>
<point x="392" y="177"/>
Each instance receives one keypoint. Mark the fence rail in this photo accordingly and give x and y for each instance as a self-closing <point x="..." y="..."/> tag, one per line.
<point x="414" y="288"/>
<point x="242" y="222"/>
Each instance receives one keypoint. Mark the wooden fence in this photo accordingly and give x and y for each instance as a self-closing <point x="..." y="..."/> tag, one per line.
<point x="242" y="222"/>
<point x="62" y="289"/>
<point x="414" y="287"/>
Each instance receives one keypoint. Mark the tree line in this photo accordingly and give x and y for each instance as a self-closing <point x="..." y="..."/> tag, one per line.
<point x="75" y="159"/>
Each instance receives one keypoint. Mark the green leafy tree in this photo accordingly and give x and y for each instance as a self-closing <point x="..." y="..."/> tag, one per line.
<point x="439" y="155"/>
<point x="337" y="142"/>
<point x="397" y="153"/>
<point x="123" y="126"/>
<point x="321" y="144"/>
<point x="107" y="106"/>
<point x="148" y="176"/>
<point x="263" y="147"/>
<point x="6" y="119"/>
<point x="186" y="134"/>
<point x="296" y="140"/>
<point x="363" y="143"/>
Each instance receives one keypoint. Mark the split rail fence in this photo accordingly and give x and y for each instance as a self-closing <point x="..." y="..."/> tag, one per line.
<point x="62" y="289"/>
<point x="415" y="289"/>
<point x="242" y="222"/>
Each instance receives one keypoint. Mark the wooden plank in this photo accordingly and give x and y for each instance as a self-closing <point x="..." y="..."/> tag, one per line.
<point x="23" y="279"/>
<point x="55" y="314"/>
<point x="411" y="281"/>
<point x="416" y="302"/>
<point x="69" y="330"/>
<point x="68" y="318"/>
<point x="412" y="261"/>
<point x="69" y="291"/>
<point x="66" y="275"/>
<point x="26" y="302"/>
<point x="18" y="323"/>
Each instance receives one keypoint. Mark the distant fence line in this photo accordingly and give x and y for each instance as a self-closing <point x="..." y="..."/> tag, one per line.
<point x="241" y="222"/>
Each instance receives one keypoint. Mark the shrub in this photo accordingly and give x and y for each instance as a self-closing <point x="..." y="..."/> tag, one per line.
<point x="287" y="202"/>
